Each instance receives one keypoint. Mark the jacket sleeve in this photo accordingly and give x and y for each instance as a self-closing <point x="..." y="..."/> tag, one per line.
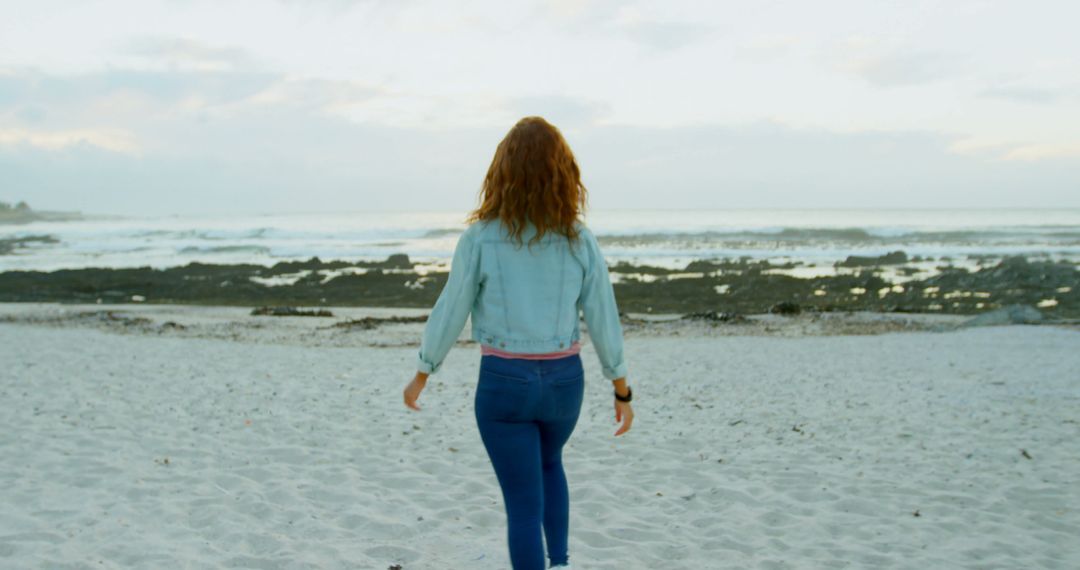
<point x="597" y="301"/>
<point x="453" y="306"/>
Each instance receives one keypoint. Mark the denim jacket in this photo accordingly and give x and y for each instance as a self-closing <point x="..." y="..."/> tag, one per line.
<point x="525" y="300"/>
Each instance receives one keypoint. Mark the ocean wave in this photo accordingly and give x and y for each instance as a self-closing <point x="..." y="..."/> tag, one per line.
<point x="248" y="249"/>
<point x="440" y="232"/>
<point x="204" y="234"/>
<point x="1050" y="235"/>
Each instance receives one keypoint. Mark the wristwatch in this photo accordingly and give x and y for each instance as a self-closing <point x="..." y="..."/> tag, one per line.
<point x="629" y="395"/>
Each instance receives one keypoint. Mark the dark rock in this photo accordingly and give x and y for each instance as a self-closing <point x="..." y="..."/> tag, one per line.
<point x="289" y="312"/>
<point x="714" y="316"/>
<point x="891" y="258"/>
<point x="627" y="267"/>
<point x="368" y="323"/>
<point x="786" y="308"/>
<point x="9" y="245"/>
<point x="398" y="261"/>
<point x="113" y="318"/>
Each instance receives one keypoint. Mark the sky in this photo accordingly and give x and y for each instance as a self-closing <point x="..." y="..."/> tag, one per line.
<point x="159" y="107"/>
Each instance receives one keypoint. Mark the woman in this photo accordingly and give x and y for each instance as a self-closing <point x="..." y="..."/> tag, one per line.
<point x="525" y="299"/>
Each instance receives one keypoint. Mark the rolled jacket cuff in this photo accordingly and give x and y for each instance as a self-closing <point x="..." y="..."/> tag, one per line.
<point x="425" y="366"/>
<point x="618" y="371"/>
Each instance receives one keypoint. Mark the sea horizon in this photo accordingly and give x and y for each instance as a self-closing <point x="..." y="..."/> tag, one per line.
<point x="663" y="237"/>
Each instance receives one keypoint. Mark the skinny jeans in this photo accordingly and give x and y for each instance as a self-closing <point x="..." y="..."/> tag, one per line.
<point x="526" y="410"/>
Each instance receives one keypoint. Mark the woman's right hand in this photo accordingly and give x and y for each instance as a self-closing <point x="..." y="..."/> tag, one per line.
<point x="623" y="412"/>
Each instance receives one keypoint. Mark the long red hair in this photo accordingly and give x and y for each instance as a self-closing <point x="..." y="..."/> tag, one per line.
<point x="533" y="178"/>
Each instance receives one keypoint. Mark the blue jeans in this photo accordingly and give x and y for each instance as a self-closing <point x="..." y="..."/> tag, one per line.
<point x="526" y="410"/>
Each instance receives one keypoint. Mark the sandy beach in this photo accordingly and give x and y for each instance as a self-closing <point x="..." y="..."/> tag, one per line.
<point x="172" y="436"/>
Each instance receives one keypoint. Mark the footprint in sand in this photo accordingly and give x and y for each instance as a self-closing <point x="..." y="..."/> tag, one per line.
<point x="393" y="554"/>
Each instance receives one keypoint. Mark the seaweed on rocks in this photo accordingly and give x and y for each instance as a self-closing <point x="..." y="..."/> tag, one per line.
<point x="1011" y="315"/>
<point x="290" y="312"/>
<point x="740" y="286"/>
<point x="113" y="317"/>
<point x="786" y="308"/>
<point x="714" y="317"/>
<point x="368" y="323"/>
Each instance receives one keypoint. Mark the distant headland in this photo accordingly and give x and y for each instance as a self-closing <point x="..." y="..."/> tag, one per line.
<point x="22" y="213"/>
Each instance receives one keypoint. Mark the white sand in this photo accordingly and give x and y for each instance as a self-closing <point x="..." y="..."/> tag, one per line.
<point x="287" y="449"/>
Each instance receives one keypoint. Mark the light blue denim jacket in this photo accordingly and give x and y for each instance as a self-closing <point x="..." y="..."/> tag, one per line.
<point x="523" y="300"/>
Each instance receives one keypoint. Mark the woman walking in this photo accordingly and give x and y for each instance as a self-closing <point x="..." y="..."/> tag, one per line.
<point x="523" y="269"/>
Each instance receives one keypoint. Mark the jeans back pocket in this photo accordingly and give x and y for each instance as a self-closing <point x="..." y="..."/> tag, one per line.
<point x="501" y="396"/>
<point x="574" y="372"/>
<point x="568" y="393"/>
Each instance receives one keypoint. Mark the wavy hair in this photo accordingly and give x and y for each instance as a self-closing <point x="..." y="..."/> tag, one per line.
<point x="533" y="178"/>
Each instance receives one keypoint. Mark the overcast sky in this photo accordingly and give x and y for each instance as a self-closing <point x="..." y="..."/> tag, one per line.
<point x="178" y="106"/>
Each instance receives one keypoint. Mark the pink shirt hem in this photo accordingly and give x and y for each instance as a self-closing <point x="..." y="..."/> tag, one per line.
<point x="575" y="348"/>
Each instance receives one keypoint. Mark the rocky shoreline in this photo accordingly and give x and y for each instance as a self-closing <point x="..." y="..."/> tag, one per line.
<point x="9" y="246"/>
<point x="22" y="213"/>
<point x="388" y="327"/>
<point x="731" y="287"/>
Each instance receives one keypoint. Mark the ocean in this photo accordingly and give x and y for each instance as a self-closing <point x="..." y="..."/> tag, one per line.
<point x="664" y="238"/>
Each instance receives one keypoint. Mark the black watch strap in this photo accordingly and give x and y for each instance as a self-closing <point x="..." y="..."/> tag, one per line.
<point x="629" y="395"/>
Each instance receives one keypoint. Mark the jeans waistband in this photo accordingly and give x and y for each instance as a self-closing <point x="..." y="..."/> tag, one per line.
<point x="547" y="365"/>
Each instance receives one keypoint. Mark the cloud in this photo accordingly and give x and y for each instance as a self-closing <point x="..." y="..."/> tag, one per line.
<point x="580" y="11"/>
<point x="1022" y="94"/>
<point x="260" y="162"/>
<point x="190" y="141"/>
<point x="642" y="24"/>
<point x="134" y="99"/>
<point x="976" y="146"/>
<point x="772" y="165"/>
<point x="667" y="35"/>
<point x="768" y="47"/>
<point x="1039" y="152"/>
<point x="1005" y="151"/>
<point x="559" y="110"/>
<point x="317" y="94"/>
<point x="32" y="114"/>
<point x="885" y="62"/>
<point x="27" y="86"/>
<point x="660" y="34"/>
<point x="184" y="53"/>
<point x="340" y="5"/>
<point x="902" y="69"/>
<point x="115" y="140"/>
<point x="264" y="160"/>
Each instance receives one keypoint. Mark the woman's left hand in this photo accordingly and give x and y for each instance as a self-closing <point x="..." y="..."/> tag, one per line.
<point x="412" y="391"/>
